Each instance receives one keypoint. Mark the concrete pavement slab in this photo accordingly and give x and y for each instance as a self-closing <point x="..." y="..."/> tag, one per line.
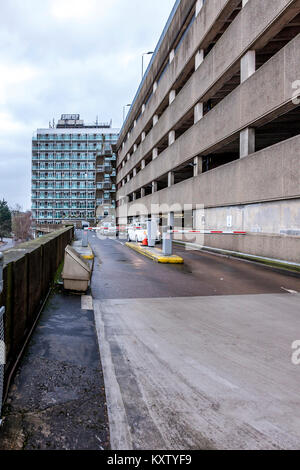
<point x="201" y="372"/>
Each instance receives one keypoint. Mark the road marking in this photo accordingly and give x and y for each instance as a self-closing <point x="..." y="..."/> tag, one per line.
<point x="290" y="291"/>
<point x="87" y="302"/>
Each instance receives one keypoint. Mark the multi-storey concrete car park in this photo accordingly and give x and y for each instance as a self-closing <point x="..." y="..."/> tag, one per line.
<point x="216" y="122"/>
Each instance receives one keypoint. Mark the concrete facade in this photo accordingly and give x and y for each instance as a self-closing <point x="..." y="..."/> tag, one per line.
<point x="221" y="129"/>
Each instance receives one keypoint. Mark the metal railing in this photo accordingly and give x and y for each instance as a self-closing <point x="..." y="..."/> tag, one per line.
<point x="2" y="343"/>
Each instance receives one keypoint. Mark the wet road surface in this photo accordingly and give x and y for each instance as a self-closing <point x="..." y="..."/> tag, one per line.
<point x="120" y="273"/>
<point x="198" y="356"/>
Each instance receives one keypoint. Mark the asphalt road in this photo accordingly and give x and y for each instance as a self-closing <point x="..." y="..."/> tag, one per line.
<point x="199" y="356"/>
<point x="120" y="273"/>
<point x="8" y="243"/>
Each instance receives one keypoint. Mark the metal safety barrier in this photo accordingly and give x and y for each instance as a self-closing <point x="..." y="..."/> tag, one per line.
<point x="2" y="343"/>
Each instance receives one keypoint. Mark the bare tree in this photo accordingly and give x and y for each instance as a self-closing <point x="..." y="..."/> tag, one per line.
<point x="21" y="224"/>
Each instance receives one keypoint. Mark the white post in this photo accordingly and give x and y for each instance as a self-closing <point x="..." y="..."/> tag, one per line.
<point x="247" y="142"/>
<point x="172" y="96"/>
<point x="154" y="153"/>
<point x="170" y="178"/>
<point x="199" y="58"/>
<point x="198" y="112"/>
<point x="171" y="137"/>
<point x="197" y="166"/>
<point x="199" y="5"/>
<point x="171" y="56"/>
<point x="248" y="65"/>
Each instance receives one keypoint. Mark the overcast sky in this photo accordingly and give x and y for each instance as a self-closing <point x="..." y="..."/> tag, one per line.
<point x="66" y="56"/>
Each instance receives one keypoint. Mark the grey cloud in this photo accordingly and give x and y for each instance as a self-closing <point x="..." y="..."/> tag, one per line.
<point x="91" y="67"/>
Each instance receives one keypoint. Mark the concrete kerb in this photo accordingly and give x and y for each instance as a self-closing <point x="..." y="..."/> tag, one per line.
<point x="85" y="252"/>
<point x="155" y="254"/>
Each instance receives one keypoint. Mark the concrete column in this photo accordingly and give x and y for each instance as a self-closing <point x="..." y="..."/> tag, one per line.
<point x="134" y="196"/>
<point x="170" y="178"/>
<point x="123" y="145"/>
<point x="143" y="164"/>
<point x="247" y="142"/>
<point x="123" y="163"/>
<point x="248" y="65"/>
<point x="172" y="96"/>
<point x="171" y="220"/>
<point x="198" y="112"/>
<point x="154" y="153"/>
<point x="134" y="172"/>
<point x="135" y="148"/>
<point x="128" y="135"/>
<point x="171" y="56"/>
<point x="143" y="192"/>
<point x="199" y="5"/>
<point x="128" y="156"/>
<point x="197" y="166"/>
<point x="155" y="119"/>
<point x="123" y="182"/>
<point x="199" y="58"/>
<point x="143" y="108"/>
<point x="154" y="187"/>
<point x="143" y="136"/>
<point x="154" y="87"/>
<point x="134" y="123"/>
<point x="128" y="178"/>
<point x="171" y="137"/>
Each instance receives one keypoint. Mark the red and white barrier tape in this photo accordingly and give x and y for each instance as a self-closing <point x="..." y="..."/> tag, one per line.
<point x="202" y="232"/>
<point x="213" y="232"/>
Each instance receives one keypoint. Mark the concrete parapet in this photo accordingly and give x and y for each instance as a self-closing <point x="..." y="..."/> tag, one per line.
<point x="29" y="270"/>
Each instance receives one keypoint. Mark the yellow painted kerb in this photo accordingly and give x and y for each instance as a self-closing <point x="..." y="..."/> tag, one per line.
<point x="160" y="258"/>
<point x="89" y="257"/>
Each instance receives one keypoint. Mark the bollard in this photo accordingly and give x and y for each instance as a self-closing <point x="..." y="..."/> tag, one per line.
<point x="85" y="239"/>
<point x="152" y="232"/>
<point x="2" y="343"/>
<point x="167" y="241"/>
